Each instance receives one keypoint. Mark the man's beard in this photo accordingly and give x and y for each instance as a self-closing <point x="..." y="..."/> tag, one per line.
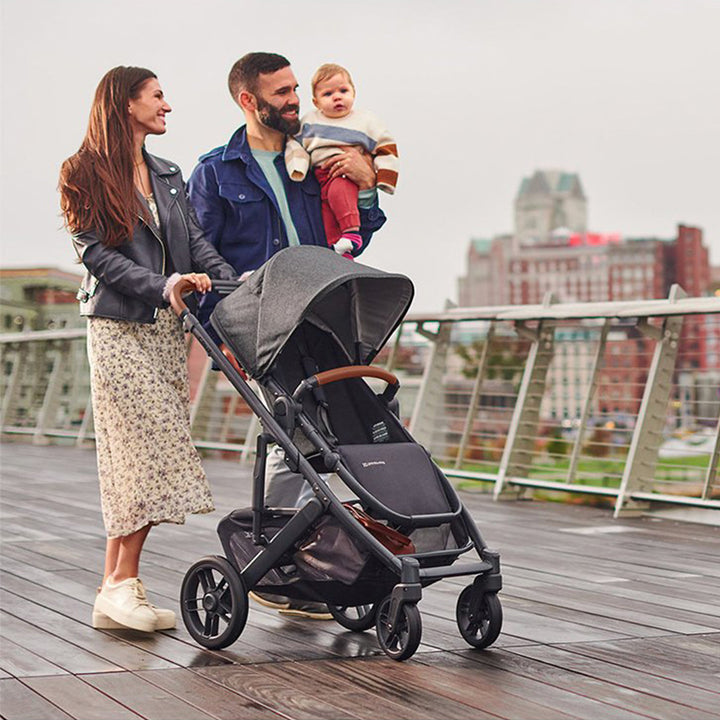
<point x="271" y="117"/>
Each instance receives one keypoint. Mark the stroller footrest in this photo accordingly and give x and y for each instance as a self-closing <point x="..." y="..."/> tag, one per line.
<point x="456" y="570"/>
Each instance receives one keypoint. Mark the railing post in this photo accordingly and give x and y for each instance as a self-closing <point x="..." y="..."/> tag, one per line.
<point x="392" y="355"/>
<point x="711" y="476"/>
<point x="645" y="445"/>
<point x="228" y="418"/>
<point x="12" y="391"/>
<point x="587" y="405"/>
<point x="52" y="391"/>
<point x="712" y="470"/>
<point x="518" y="451"/>
<point x="430" y="397"/>
<point x="204" y="397"/>
<point x="475" y="396"/>
<point x="250" y="445"/>
<point x="86" y="421"/>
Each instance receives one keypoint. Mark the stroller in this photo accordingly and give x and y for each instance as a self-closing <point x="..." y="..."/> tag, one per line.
<point x="306" y="327"/>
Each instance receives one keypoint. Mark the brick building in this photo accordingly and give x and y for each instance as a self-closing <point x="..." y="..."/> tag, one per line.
<point x="551" y="251"/>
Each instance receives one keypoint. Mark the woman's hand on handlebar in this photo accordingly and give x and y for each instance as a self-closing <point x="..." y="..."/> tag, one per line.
<point x="200" y="281"/>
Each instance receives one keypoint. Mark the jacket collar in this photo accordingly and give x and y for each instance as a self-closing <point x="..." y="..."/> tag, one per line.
<point x="238" y="147"/>
<point x="164" y="191"/>
<point x="158" y="166"/>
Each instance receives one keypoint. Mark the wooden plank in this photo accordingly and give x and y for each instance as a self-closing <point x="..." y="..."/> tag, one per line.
<point x="697" y="645"/>
<point x="30" y="557"/>
<point x="524" y="624"/>
<point x="62" y="630"/>
<point x="660" y="697"/>
<point x="352" y="694"/>
<point x="79" y="699"/>
<point x="472" y="668"/>
<point x="284" y="696"/>
<point x="55" y="650"/>
<point x="143" y="698"/>
<point x="20" y="662"/>
<point x="445" y="691"/>
<point x="19" y="702"/>
<point x="70" y="554"/>
<point x="647" y="655"/>
<point x="176" y="646"/>
<point x="211" y="697"/>
<point x="46" y="579"/>
<point x="601" y="605"/>
<point x="553" y="613"/>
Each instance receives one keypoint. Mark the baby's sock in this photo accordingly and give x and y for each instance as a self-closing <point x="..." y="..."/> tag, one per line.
<point x="347" y="242"/>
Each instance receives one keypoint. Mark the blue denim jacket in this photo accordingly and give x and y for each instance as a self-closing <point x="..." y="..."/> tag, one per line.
<point x="239" y="213"/>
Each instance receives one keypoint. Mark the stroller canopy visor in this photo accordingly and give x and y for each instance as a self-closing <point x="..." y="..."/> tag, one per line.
<point x="359" y="305"/>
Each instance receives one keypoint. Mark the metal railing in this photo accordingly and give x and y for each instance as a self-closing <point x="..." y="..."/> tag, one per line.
<point x="619" y="401"/>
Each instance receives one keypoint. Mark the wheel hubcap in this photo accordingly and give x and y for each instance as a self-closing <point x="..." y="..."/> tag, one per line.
<point x="210" y="602"/>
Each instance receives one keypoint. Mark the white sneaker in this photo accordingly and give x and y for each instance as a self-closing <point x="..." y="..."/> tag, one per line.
<point x="126" y="603"/>
<point x="166" y="619"/>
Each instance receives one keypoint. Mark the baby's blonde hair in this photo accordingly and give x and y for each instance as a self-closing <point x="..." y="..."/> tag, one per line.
<point x="328" y="70"/>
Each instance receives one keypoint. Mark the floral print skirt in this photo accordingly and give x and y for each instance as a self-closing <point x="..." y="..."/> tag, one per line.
<point x="148" y="467"/>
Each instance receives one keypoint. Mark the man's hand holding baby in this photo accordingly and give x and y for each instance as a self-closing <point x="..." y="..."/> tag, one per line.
<point x="356" y="165"/>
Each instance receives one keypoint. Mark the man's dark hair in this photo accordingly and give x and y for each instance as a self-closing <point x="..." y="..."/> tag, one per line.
<point x="244" y="73"/>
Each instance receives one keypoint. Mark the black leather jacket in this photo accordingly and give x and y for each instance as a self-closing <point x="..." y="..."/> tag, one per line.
<point x="127" y="282"/>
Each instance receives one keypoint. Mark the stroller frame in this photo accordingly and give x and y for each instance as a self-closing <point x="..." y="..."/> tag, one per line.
<point x="215" y="611"/>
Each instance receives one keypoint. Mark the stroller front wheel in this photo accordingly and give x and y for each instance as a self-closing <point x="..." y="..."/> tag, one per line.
<point x="356" y="618"/>
<point x="401" y="641"/>
<point x="479" y="617"/>
<point x="213" y="602"/>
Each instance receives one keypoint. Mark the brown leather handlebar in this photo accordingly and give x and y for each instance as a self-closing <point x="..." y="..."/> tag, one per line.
<point x="182" y="287"/>
<point x="354" y="371"/>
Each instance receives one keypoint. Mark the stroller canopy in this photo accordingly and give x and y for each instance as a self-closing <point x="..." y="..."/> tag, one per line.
<point x="359" y="305"/>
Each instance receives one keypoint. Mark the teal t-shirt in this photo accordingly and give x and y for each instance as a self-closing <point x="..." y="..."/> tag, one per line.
<point x="266" y="161"/>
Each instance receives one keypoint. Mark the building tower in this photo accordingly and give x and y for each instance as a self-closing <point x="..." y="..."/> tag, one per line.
<point x="548" y="201"/>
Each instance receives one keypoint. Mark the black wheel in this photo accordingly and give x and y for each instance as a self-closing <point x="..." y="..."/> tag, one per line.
<point x="356" y="618"/>
<point x="214" y="603"/>
<point x="402" y="641"/>
<point x="479" y="617"/>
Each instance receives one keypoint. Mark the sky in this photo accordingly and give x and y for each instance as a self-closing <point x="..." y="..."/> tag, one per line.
<point x="477" y="93"/>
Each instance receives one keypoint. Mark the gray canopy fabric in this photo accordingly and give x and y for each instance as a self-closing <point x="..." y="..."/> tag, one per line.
<point x="359" y="305"/>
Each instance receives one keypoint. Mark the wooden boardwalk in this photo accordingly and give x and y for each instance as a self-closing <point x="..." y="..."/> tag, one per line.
<point x="603" y="619"/>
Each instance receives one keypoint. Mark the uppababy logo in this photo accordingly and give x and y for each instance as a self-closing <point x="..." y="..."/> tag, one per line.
<point x="373" y="462"/>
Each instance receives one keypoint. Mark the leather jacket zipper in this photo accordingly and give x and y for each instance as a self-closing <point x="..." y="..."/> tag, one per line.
<point x="162" y="247"/>
<point x="159" y="239"/>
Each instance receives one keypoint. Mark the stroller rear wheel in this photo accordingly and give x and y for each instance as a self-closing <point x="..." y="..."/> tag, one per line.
<point x="399" y="642"/>
<point x="479" y="616"/>
<point x="356" y="618"/>
<point x="214" y="603"/>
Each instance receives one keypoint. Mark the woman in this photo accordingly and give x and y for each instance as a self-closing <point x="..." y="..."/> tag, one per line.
<point x="134" y="232"/>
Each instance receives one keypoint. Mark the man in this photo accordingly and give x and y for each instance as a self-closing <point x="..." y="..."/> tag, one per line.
<point x="250" y="209"/>
<point x="244" y="199"/>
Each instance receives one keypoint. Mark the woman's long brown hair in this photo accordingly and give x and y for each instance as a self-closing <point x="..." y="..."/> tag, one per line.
<point x="97" y="190"/>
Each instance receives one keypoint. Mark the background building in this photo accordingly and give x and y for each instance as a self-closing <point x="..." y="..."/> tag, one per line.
<point x="38" y="299"/>
<point x="551" y="251"/>
<point x="546" y="201"/>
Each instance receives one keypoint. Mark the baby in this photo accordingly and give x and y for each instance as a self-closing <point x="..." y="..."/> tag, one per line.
<point x="327" y="131"/>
